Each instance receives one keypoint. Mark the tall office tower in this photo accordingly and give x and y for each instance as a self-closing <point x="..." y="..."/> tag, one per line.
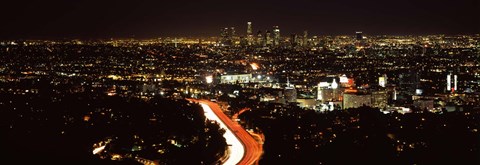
<point x="268" y="38"/>
<point x="232" y="32"/>
<point x="249" y="28"/>
<point x="227" y="35"/>
<point x="260" y="38"/>
<point x="290" y="92"/>
<point x="319" y="92"/>
<point x="223" y="32"/>
<point x="382" y="80"/>
<point x="224" y="36"/>
<point x="315" y="41"/>
<point x="305" y="38"/>
<point x="276" y="36"/>
<point x="380" y="99"/>
<point x="249" y="33"/>
<point x="394" y="94"/>
<point x="454" y="82"/>
<point x="359" y="35"/>
<point x="293" y="40"/>
<point x="449" y="82"/>
<point x="175" y="42"/>
<point x="424" y="50"/>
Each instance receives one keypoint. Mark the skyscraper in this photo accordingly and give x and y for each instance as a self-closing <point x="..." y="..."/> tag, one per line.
<point x="232" y="32"/>
<point x="249" y="28"/>
<point x="305" y="38"/>
<point x="454" y="82"/>
<point x="449" y="82"/>
<point x="268" y="38"/>
<point x="249" y="33"/>
<point x="290" y="92"/>
<point x="293" y="40"/>
<point x="382" y="80"/>
<point x="224" y="36"/>
<point x="227" y="35"/>
<point x="276" y="36"/>
<point x="359" y="35"/>
<point x="223" y="32"/>
<point x="260" y="40"/>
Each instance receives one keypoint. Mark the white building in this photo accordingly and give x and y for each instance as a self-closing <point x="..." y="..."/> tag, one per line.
<point x="238" y="78"/>
<point x="327" y="91"/>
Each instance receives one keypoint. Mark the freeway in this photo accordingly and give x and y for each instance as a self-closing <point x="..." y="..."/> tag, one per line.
<point x="236" y="147"/>
<point x="251" y="150"/>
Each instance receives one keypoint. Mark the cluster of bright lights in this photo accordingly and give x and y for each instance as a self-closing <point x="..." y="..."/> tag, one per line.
<point x="209" y="79"/>
<point x="254" y="66"/>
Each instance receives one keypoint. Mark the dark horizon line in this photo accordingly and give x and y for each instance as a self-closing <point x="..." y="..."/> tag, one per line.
<point x="202" y="37"/>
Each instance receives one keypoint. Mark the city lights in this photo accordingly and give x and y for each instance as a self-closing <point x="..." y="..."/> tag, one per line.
<point x="254" y="66"/>
<point x="194" y="82"/>
<point x="209" y="79"/>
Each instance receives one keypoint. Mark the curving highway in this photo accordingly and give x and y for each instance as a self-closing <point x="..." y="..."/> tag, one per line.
<point x="236" y="147"/>
<point x="250" y="150"/>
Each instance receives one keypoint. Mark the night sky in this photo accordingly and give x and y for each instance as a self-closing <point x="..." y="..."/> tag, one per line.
<point x="95" y="19"/>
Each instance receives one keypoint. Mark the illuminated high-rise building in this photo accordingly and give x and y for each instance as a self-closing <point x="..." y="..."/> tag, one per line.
<point x="305" y="38"/>
<point x="449" y="82"/>
<point x="276" y="35"/>
<point x="249" y="28"/>
<point x="328" y="90"/>
<point x="290" y="92"/>
<point x="223" y="32"/>
<point x="315" y="41"/>
<point x="455" y="82"/>
<point x="227" y="35"/>
<point x="382" y="80"/>
<point x="394" y="94"/>
<point x="294" y="40"/>
<point x="224" y="36"/>
<point x="249" y="33"/>
<point x="359" y="35"/>
<point x="268" y="38"/>
<point x="379" y="99"/>
<point x="232" y="32"/>
<point x="319" y="92"/>
<point x="260" y="39"/>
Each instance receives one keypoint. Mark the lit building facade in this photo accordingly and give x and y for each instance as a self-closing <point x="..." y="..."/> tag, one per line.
<point x="238" y="78"/>
<point x="276" y="35"/>
<point x="355" y="100"/>
<point x="380" y="99"/>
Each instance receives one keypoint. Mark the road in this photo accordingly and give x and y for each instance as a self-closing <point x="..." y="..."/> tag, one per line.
<point x="252" y="150"/>
<point x="236" y="148"/>
<point x="259" y="137"/>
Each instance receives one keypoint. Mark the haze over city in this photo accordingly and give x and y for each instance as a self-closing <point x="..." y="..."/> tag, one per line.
<point x="55" y="19"/>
